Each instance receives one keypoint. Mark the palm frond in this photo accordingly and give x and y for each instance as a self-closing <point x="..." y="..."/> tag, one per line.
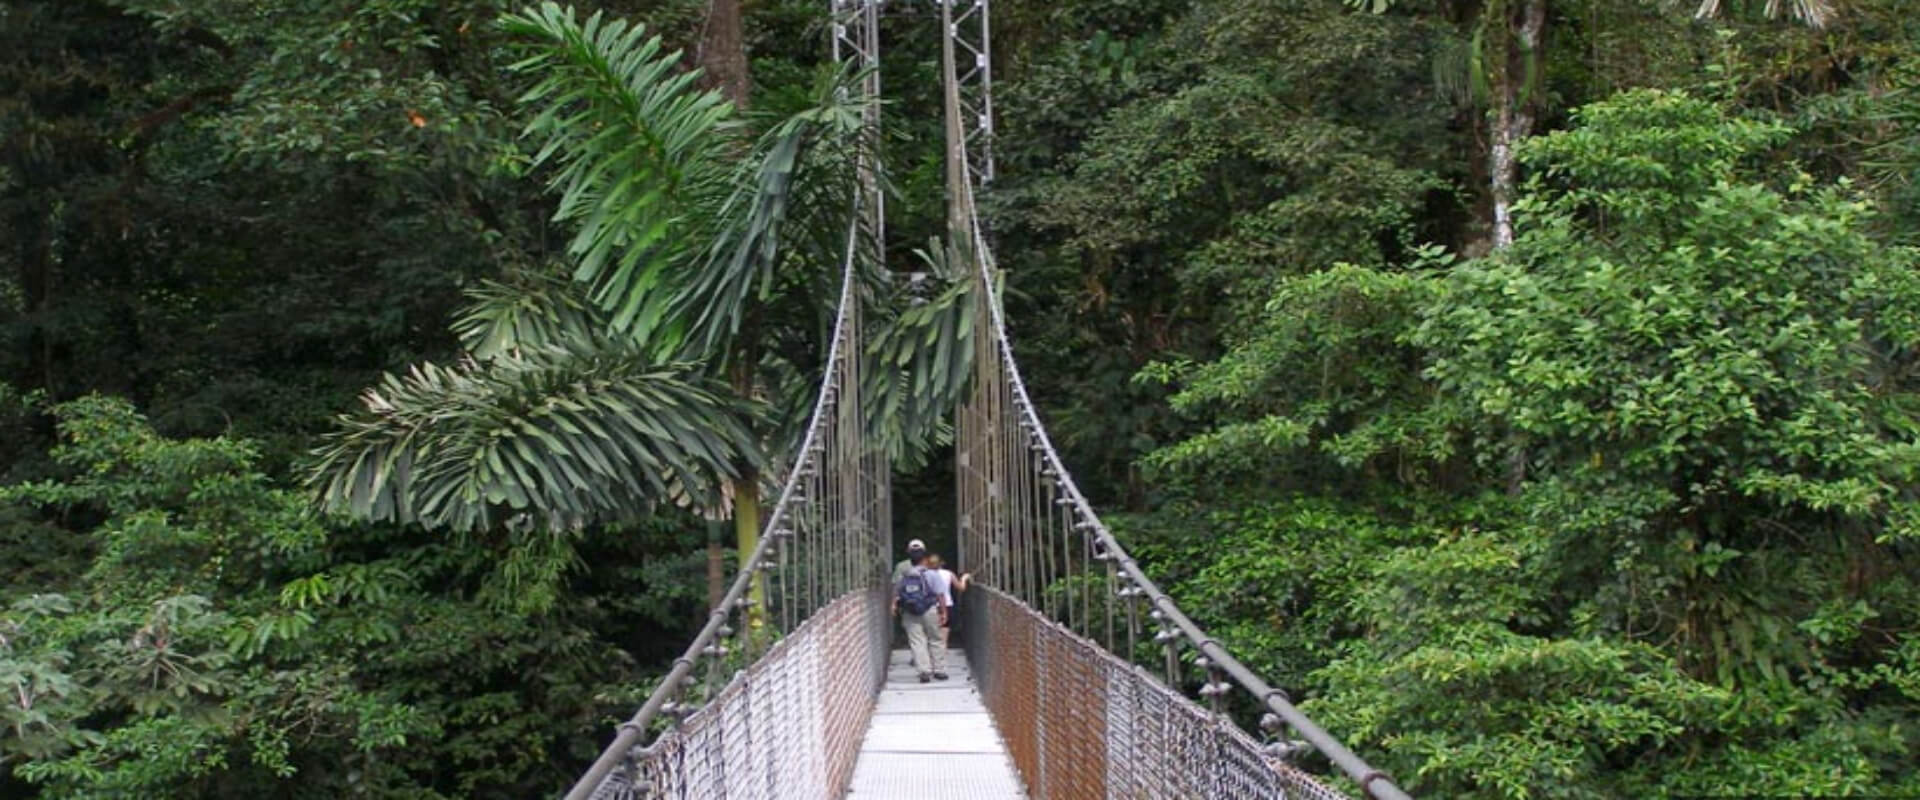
<point x="789" y="201"/>
<point x="1814" y="13"/>
<point x="641" y="154"/>
<point x="554" y="437"/>
<point x="534" y="313"/>
<point x="920" y="363"/>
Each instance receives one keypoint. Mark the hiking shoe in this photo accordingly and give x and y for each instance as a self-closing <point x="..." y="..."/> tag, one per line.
<point x="939" y="676"/>
<point x="924" y="677"/>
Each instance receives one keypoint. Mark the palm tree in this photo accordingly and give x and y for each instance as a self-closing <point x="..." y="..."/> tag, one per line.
<point x="699" y="274"/>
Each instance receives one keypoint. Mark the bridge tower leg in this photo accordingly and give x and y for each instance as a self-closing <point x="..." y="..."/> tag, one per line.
<point x="967" y="48"/>
<point x="856" y="47"/>
<point x="981" y="488"/>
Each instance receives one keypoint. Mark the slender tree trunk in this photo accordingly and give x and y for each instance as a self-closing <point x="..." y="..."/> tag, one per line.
<point x="716" y="563"/>
<point x="746" y="530"/>
<point x="723" y="65"/>
<point x="723" y="52"/>
<point x="1508" y="124"/>
<point x="1514" y="62"/>
<point x="1514" y="30"/>
<point x="746" y="488"/>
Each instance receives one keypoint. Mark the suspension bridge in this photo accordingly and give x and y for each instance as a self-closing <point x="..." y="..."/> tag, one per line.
<point x="791" y="689"/>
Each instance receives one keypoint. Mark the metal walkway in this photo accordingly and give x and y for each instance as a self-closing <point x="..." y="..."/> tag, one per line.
<point x="932" y="741"/>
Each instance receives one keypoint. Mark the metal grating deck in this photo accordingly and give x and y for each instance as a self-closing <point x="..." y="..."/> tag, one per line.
<point x="932" y="741"/>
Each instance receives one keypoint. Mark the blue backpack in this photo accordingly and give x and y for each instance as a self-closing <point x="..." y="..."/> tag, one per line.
<point x="914" y="594"/>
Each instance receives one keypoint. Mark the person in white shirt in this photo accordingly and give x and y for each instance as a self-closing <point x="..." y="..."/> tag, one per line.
<point x="945" y="584"/>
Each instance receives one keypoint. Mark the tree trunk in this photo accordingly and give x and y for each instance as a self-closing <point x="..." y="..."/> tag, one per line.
<point x="723" y="64"/>
<point x="723" y="52"/>
<point x="1513" y="62"/>
<point x="1509" y="126"/>
<point x="716" y="563"/>
<point x="746" y="488"/>
<point x="746" y="535"/>
<point x="1516" y="28"/>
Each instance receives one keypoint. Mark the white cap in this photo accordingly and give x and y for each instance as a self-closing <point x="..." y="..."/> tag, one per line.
<point x="916" y="545"/>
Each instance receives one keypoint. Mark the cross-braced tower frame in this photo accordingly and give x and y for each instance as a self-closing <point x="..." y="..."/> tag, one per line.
<point x="964" y="25"/>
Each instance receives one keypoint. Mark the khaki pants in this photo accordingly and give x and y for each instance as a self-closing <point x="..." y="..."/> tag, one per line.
<point x="923" y="638"/>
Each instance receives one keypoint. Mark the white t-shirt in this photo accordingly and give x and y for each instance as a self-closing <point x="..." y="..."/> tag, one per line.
<point x="941" y="582"/>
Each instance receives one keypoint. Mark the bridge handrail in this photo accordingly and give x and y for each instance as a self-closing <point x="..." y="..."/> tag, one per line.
<point x="703" y="644"/>
<point x="1373" y="782"/>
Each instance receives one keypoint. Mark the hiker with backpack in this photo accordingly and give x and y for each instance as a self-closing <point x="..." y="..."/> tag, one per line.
<point x="920" y="608"/>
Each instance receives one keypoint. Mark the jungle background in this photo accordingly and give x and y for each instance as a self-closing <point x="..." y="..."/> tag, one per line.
<point x="1529" y="386"/>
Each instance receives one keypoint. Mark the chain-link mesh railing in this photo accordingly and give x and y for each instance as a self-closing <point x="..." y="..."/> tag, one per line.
<point x="1082" y="723"/>
<point x="788" y="726"/>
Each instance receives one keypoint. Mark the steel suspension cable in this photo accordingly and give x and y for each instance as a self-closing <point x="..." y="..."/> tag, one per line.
<point x="1221" y="669"/>
<point x="1182" y="629"/>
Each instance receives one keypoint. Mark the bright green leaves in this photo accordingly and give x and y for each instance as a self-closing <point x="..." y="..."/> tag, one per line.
<point x="1482" y="712"/>
<point x="40" y="701"/>
<point x="681" y="221"/>
<point x="554" y="437"/>
<point x="163" y="664"/>
<point x="1672" y="325"/>
<point x="1645" y="159"/>
<point x="1692" y="364"/>
<point x="181" y="514"/>
<point x="1669" y="436"/>
<point x="921" y="361"/>
<point x="1474" y="678"/>
<point x="1274" y="578"/>
<point x="1657" y="319"/>
<point x="783" y="224"/>
<point x="1329" y="368"/>
<point x="639" y="151"/>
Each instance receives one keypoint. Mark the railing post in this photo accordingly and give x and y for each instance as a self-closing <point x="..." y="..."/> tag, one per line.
<point x="1043" y="785"/>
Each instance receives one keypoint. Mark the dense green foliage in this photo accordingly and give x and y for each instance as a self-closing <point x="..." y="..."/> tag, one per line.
<point x="1625" y="508"/>
<point x="202" y="634"/>
<point x="1700" y="564"/>
<point x="1622" y="510"/>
